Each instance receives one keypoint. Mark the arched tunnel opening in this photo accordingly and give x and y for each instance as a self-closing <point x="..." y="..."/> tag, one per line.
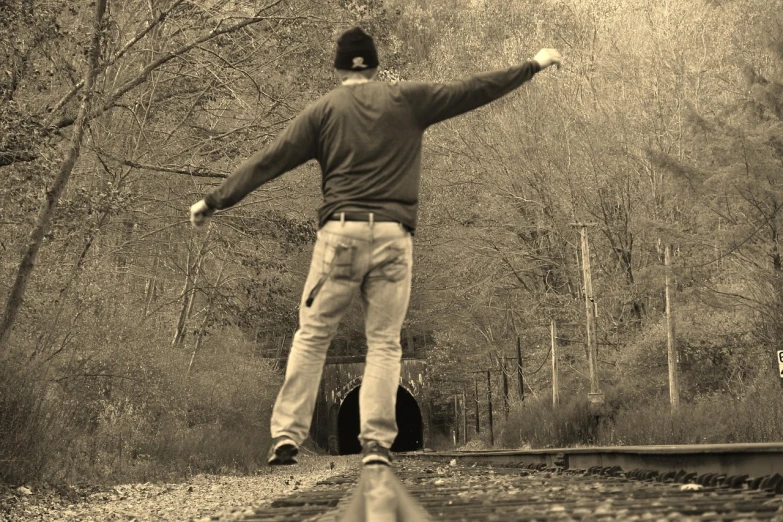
<point x="410" y="427"/>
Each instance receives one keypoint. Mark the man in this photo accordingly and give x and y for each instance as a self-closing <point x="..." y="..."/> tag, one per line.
<point x="367" y="137"/>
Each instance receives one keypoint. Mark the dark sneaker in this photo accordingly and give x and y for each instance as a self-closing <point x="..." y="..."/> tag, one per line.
<point x="283" y="452"/>
<point x="374" y="453"/>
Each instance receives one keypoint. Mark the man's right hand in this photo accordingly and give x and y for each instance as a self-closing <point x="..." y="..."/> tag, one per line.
<point x="199" y="212"/>
<point x="547" y="57"/>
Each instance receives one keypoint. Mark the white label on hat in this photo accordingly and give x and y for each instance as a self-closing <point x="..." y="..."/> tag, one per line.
<point x="358" y="63"/>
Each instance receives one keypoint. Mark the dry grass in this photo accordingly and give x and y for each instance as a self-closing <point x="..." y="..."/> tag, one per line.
<point x="721" y="418"/>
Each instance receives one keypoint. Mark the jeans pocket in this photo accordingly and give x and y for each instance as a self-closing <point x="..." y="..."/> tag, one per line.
<point x="394" y="267"/>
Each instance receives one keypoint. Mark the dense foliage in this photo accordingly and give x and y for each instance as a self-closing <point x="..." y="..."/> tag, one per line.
<point x="142" y="345"/>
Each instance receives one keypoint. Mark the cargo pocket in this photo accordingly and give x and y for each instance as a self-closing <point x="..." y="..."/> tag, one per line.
<point x="338" y="264"/>
<point x="339" y="261"/>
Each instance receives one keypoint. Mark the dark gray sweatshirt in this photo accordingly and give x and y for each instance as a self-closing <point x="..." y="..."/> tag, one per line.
<point x="367" y="139"/>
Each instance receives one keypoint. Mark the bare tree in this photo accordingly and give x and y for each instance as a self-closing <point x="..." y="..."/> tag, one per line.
<point x="26" y="265"/>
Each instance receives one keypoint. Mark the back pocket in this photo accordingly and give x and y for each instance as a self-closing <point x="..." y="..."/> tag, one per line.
<point x="394" y="265"/>
<point x="339" y="260"/>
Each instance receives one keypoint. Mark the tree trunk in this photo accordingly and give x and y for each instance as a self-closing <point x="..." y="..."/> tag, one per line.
<point x="27" y="263"/>
<point x="151" y="289"/>
<point x="189" y="292"/>
<point x="183" y="314"/>
<point x="196" y="275"/>
<point x="207" y="314"/>
<point x="777" y="261"/>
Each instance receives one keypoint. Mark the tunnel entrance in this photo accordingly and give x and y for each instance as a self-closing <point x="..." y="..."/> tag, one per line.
<point x="409" y="423"/>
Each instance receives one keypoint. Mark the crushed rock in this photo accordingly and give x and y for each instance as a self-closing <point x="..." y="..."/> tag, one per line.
<point x="200" y="498"/>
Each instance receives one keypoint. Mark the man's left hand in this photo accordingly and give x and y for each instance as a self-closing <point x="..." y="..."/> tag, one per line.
<point x="547" y="57"/>
<point x="199" y="212"/>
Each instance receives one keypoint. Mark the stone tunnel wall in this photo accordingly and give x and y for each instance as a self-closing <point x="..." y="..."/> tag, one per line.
<point x="341" y="376"/>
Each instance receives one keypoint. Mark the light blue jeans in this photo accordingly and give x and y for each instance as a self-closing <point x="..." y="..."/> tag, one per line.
<point x="375" y="258"/>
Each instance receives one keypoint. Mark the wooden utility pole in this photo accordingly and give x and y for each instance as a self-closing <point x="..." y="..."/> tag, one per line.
<point x="520" y="377"/>
<point x="595" y="396"/>
<point x="555" y="388"/>
<point x="464" y="417"/>
<point x="478" y="424"/>
<point x="674" y="385"/>
<point x="456" y="420"/>
<point x="505" y="389"/>
<point x="489" y="402"/>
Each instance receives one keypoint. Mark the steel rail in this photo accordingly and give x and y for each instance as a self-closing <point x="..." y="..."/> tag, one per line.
<point x="756" y="459"/>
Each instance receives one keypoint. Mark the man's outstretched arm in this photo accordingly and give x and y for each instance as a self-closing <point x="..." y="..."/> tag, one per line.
<point x="437" y="102"/>
<point x="294" y="146"/>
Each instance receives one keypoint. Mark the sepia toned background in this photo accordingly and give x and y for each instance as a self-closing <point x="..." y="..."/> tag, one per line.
<point x="133" y="346"/>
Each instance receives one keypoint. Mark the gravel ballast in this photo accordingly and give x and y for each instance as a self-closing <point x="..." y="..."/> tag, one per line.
<point x="201" y="498"/>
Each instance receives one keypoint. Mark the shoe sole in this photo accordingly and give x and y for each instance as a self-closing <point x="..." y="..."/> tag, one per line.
<point x="285" y="455"/>
<point x="375" y="459"/>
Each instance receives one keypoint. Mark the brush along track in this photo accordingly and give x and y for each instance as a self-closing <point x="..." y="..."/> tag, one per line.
<point x="473" y="489"/>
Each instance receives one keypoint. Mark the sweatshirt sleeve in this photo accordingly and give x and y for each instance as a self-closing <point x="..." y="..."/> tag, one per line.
<point x="433" y="103"/>
<point x="293" y="147"/>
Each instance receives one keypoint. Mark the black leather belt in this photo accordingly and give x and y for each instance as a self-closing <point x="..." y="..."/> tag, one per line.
<point x="357" y="215"/>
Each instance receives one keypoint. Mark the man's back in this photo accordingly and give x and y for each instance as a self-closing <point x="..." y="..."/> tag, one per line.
<point x="369" y="149"/>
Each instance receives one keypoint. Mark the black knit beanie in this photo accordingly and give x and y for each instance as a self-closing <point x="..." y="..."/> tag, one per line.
<point x="355" y="51"/>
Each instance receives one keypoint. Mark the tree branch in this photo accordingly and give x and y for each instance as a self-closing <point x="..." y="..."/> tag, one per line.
<point x="142" y="76"/>
<point x="11" y="157"/>
<point x="116" y="56"/>
<point x="189" y="170"/>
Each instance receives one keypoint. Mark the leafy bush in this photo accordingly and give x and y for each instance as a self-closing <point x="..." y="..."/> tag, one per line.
<point x="137" y="413"/>
<point x="17" y="399"/>
<point x="29" y="425"/>
<point x="213" y="418"/>
<point x="719" y="418"/>
<point x="537" y="424"/>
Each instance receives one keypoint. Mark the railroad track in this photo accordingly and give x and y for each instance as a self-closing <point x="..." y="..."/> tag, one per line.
<point x="709" y="482"/>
